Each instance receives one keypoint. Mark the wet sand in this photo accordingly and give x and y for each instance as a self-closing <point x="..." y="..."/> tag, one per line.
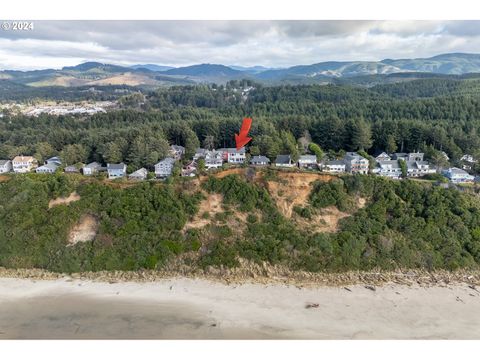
<point x="200" y="309"/>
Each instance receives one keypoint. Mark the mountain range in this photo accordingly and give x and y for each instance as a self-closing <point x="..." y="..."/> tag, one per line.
<point x="153" y="75"/>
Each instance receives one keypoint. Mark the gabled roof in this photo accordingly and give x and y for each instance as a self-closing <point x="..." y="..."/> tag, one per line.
<point x="457" y="171"/>
<point x="283" y="159"/>
<point x="4" y="162"/>
<point x="177" y="147"/>
<point x="22" y="158"/>
<point x="139" y="172"/>
<point x="93" y="165"/>
<point x="260" y="159"/>
<point x="308" y="157"/>
<point x="167" y="160"/>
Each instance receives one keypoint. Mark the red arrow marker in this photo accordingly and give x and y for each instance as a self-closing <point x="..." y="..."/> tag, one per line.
<point x="242" y="139"/>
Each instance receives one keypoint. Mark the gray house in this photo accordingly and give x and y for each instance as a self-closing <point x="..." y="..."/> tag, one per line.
<point x="91" y="169"/>
<point x="116" y="171"/>
<point x="307" y="161"/>
<point x="54" y="160"/>
<point x="284" y="161"/>
<point x="5" y="166"/>
<point x="259" y="160"/>
<point x="140" y="174"/>
<point x="164" y="168"/>
<point x="47" y="168"/>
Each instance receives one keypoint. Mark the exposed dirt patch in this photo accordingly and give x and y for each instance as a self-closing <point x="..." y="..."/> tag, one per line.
<point x="233" y="171"/>
<point x="327" y="219"/>
<point x="291" y="189"/>
<point x="4" y="178"/>
<point x="85" y="230"/>
<point x="212" y="205"/>
<point x="64" y="200"/>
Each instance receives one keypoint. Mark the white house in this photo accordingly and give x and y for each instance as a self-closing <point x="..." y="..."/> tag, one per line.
<point x="164" y="168"/>
<point x="388" y="168"/>
<point x="116" y="171"/>
<point x="334" y="166"/>
<point x="190" y="169"/>
<point x="419" y="168"/>
<point x="284" y="161"/>
<point x="355" y="164"/>
<point x="5" y="166"/>
<point x="213" y="159"/>
<point x="24" y="164"/>
<point x="234" y="156"/>
<point x="456" y="175"/>
<point x="91" y="169"/>
<point x="307" y="161"/>
<point x="468" y="158"/>
<point x="47" y="168"/>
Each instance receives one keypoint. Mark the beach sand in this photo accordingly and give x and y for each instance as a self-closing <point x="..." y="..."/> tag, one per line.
<point x="183" y="308"/>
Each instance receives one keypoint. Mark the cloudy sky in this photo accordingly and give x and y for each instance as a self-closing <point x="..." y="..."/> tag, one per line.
<point x="54" y="44"/>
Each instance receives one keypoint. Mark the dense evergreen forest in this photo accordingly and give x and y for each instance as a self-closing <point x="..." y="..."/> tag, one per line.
<point x="431" y="115"/>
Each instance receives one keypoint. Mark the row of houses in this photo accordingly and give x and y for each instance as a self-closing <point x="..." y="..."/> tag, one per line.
<point x="25" y="164"/>
<point x="387" y="165"/>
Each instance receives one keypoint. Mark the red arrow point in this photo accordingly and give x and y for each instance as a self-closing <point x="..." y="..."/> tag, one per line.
<point x="242" y="138"/>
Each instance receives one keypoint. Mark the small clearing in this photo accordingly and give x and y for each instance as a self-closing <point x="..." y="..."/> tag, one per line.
<point x="84" y="231"/>
<point x="212" y="205"/>
<point x="64" y="200"/>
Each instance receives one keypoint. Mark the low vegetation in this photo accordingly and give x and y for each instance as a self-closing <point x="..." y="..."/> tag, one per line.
<point x="403" y="224"/>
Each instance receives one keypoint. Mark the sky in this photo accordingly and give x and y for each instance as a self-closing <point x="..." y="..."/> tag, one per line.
<point x="54" y="44"/>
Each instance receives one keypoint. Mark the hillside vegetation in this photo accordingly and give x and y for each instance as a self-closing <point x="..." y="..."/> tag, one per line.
<point x="404" y="224"/>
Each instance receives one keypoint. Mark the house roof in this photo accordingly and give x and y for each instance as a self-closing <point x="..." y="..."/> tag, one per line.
<point x="308" y="157"/>
<point x="167" y="160"/>
<point x="140" y="172"/>
<point x="335" y="162"/>
<point x="48" y="166"/>
<point x="233" y="150"/>
<point x="283" y="159"/>
<point x="54" y="159"/>
<point x="457" y="171"/>
<point x="3" y="162"/>
<point x="260" y="159"/>
<point x="93" y="165"/>
<point x="23" y="158"/>
<point x="177" y="147"/>
<point x="392" y="163"/>
<point x="120" y="166"/>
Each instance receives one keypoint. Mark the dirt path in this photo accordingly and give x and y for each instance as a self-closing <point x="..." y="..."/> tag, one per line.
<point x="64" y="200"/>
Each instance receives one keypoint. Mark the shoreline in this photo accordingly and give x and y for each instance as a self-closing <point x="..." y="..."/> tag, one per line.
<point x="257" y="274"/>
<point x="185" y="308"/>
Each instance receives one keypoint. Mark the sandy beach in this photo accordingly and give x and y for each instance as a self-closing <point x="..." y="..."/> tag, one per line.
<point x="182" y="308"/>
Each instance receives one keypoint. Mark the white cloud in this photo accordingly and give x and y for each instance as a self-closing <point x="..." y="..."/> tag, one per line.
<point x="270" y="43"/>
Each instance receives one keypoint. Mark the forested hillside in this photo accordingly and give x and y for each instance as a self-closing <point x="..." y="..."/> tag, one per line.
<point x="403" y="224"/>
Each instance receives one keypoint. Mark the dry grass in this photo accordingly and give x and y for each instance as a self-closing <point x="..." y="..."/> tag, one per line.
<point x="84" y="231"/>
<point x="64" y="200"/>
